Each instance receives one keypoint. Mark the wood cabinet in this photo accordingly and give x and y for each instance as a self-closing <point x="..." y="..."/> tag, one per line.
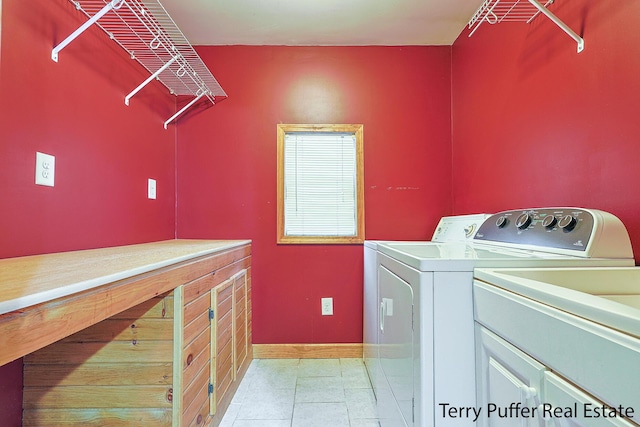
<point x="173" y="360"/>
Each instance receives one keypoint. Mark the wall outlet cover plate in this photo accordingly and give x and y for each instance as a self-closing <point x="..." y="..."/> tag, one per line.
<point x="45" y="169"/>
<point x="327" y="306"/>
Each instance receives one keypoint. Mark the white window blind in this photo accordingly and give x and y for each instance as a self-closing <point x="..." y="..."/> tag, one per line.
<point x="320" y="184"/>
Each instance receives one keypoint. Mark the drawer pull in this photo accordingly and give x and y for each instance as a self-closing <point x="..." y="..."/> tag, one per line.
<point x="199" y="419"/>
<point x="189" y="359"/>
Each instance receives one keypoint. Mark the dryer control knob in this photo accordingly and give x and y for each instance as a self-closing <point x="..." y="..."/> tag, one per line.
<point x="523" y="221"/>
<point x="502" y="222"/>
<point x="567" y="223"/>
<point x="549" y="221"/>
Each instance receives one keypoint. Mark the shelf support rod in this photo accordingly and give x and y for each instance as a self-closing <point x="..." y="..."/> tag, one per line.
<point x="560" y="24"/>
<point x="113" y="4"/>
<point x="185" y="108"/>
<point x="151" y="77"/>
<point x="483" y="17"/>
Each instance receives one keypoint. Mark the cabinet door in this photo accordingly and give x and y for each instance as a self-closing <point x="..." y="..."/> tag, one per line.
<point x="196" y="352"/>
<point x="506" y="377"/>
<point x="222" y="351"/>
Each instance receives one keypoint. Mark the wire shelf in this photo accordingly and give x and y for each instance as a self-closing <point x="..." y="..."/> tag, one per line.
<point x="145" y="30"/>
<point x="496" y="11"/>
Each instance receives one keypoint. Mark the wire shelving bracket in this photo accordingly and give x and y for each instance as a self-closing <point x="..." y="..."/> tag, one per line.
<point x="495" y="11"/>
<point x="145" y="30"/>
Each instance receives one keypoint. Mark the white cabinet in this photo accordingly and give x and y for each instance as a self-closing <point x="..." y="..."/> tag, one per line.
<point x="506" y="377"/>
<point x="516" y="390"/>
<point x="570" y="371"/>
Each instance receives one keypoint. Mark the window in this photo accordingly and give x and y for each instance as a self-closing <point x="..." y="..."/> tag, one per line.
<point x="320" y="184"/>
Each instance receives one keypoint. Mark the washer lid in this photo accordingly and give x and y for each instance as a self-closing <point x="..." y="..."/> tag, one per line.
<point x="460" y="256"/>
<point x="459" y="250"/>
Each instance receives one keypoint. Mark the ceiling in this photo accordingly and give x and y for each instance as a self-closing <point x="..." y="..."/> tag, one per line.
<point x="321" y="22"/>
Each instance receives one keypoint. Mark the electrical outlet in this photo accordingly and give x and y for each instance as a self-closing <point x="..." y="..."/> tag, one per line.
<point x="327" y="306"/>
<point x="151" y="188"/>
<point x="45" y="169"/>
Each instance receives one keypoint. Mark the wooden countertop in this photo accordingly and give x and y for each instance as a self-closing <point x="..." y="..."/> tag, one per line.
<point x="45" y="298"/>
<point x="31" y="280"/>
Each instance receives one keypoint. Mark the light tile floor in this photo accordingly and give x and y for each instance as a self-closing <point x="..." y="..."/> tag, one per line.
<point x="303" y="393"/>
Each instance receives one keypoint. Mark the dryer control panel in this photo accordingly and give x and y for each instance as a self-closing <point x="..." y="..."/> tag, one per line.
<point x="566" y="229"/>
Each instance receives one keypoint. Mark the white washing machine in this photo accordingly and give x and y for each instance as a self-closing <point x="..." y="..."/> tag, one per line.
<point x="457" y="228"/>
<point x="424" y="368"/>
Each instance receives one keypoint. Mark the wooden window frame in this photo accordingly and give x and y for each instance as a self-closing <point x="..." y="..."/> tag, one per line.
<point x="357" y="130"/>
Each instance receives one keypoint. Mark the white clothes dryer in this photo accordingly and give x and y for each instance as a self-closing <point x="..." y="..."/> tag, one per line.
<point x="457" y="228"/>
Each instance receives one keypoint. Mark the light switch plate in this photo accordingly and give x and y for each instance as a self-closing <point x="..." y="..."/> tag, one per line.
<point x="45" y="169"/>
<point x="151" y="188"/>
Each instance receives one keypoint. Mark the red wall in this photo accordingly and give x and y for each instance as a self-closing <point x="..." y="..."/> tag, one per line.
<point x="227" y="168"/>
<point x="104" y="150"/>
<point x="537" y="124"/>
<point x="74" y="109"/>
<point x="521" y="118"/>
